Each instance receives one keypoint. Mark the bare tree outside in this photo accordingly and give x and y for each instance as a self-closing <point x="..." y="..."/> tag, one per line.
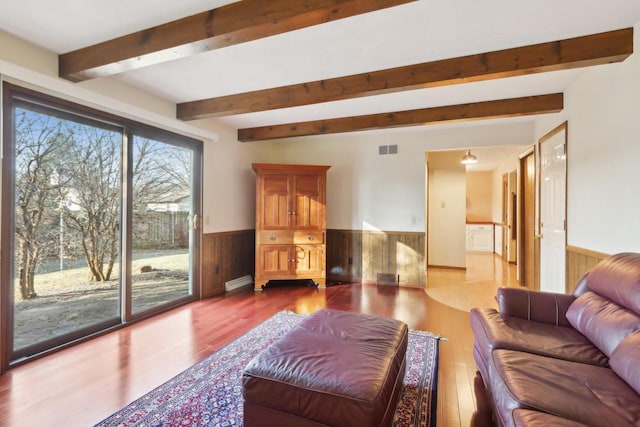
<point x="92" y="177"/>
<point x="40" y="141"/>
<point x="69" y="173"/>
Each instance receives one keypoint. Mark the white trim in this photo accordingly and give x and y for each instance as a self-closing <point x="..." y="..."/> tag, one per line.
<point x="102" y="102"/>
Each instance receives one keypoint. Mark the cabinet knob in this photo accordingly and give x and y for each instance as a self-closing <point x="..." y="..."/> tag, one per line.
<point x="272" y="238"/>
<point x="310" y="238"/>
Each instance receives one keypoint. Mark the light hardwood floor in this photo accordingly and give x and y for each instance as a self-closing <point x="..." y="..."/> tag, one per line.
<point x="83" y="384"/>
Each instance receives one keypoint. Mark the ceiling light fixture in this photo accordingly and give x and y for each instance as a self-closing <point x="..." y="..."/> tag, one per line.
<point x="469" y="159"/>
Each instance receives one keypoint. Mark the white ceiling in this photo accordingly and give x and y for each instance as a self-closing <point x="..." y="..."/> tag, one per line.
<point x="422" y="31"/>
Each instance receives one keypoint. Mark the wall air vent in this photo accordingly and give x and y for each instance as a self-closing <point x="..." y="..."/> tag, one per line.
<point x="387" y="149"/>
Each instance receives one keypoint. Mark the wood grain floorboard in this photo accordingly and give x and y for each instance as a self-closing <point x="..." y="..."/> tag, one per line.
<point x="82" y="385"/>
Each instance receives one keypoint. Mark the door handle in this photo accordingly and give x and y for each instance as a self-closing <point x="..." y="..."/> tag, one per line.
<point x="195" y="222"/>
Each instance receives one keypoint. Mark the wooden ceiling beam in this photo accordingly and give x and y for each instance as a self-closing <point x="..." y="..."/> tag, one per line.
<point x="603" y="48"/>
<point x="235" y="23"/>
<point x="514" y="107"/>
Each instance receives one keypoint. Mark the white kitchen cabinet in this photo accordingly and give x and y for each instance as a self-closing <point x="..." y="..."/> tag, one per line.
<point x="480" y="237"/>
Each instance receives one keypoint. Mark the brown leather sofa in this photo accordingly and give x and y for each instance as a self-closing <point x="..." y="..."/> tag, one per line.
<point x="565" y="360"/>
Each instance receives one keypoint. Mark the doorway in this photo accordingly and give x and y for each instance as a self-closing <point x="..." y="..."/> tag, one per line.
<point x="509" y="216"/>
<point x="528" y="259"/>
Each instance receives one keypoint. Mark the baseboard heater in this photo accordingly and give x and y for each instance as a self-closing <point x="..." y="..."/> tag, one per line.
<point x="234" y="284"/>
<point x="388" y="279"/>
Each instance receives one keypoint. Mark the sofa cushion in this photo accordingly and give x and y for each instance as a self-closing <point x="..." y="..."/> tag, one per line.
<point x="604" y="322"/>
<point x="493" y="330"/>
<point x="618" y="278"/>
<point x="587" y="394"/>
<point x="625" y="360"/>
<point x="545" y="307"/>
<point x="528" y="418"/>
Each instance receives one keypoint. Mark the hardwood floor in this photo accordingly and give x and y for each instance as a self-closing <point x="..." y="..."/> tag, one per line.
<point x="81" y="385"/>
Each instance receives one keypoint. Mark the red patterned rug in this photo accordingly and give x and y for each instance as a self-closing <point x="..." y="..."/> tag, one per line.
<point x="210" y="392"/>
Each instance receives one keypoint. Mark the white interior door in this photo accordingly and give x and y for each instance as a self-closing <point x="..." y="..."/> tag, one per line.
<point x="553" y="210"/>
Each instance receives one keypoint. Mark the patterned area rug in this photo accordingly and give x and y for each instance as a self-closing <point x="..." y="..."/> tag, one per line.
<point x="210" y="392"/>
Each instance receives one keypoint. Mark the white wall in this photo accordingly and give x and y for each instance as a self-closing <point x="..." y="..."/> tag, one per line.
<point x="27" y="55"/>
<point x="228" y="183"/>
<point x="368" y="191"/>
<point x="603" y="112"/>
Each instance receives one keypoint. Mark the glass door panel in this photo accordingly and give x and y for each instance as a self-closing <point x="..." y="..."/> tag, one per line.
<point x="162" y="218"/>
<point x="98" y="222"/>
<point x="67" y="209"/>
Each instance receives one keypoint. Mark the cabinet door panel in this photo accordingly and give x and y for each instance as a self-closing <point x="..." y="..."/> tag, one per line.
<point x="275" y="202"/>
<point x="309" y="202"/>
<point x="274" y="260"/>
<point x="310" y="260"/>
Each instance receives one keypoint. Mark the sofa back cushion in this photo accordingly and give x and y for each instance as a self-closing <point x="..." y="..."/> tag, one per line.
<point x="618" y="278"/>
<point x="602" y="321"/>
<point x="625" y="360"/>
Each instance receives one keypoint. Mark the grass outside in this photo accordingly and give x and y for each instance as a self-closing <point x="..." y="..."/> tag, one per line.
<point x="68" y="300"/>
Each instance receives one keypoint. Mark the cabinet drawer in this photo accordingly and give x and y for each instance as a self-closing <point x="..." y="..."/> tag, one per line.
<point x="308" y="237"/>
<point x="479" y="227"/>
<point x="275" y="237"/>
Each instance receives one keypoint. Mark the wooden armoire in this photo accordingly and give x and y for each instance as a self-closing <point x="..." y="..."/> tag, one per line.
<point x="290" y="223"/>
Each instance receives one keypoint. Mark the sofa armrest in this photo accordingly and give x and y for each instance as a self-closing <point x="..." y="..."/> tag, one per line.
<point x="545" y="307"/>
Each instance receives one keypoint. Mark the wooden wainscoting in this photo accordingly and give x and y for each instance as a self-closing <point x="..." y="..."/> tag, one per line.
<point x="358" y="255"/>
<point x="226" y="256"/>
<point x="579" y="261"/>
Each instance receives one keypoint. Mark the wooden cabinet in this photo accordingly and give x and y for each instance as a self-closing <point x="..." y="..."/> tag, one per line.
<point x="290" y="223"/>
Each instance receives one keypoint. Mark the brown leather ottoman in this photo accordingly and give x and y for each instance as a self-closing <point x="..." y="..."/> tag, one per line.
<point x="334" y="369"/>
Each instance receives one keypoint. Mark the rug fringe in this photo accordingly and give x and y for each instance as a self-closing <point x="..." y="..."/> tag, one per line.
<point x="429" y="334"/>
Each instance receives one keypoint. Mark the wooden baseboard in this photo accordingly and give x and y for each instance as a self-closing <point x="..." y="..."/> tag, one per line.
<point x="447" y="267"/>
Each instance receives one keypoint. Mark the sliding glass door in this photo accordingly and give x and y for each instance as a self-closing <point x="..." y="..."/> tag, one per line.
<point x="98" y="222"/>
<point x="163" y="215"/>
<point x="66" y="199"/>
